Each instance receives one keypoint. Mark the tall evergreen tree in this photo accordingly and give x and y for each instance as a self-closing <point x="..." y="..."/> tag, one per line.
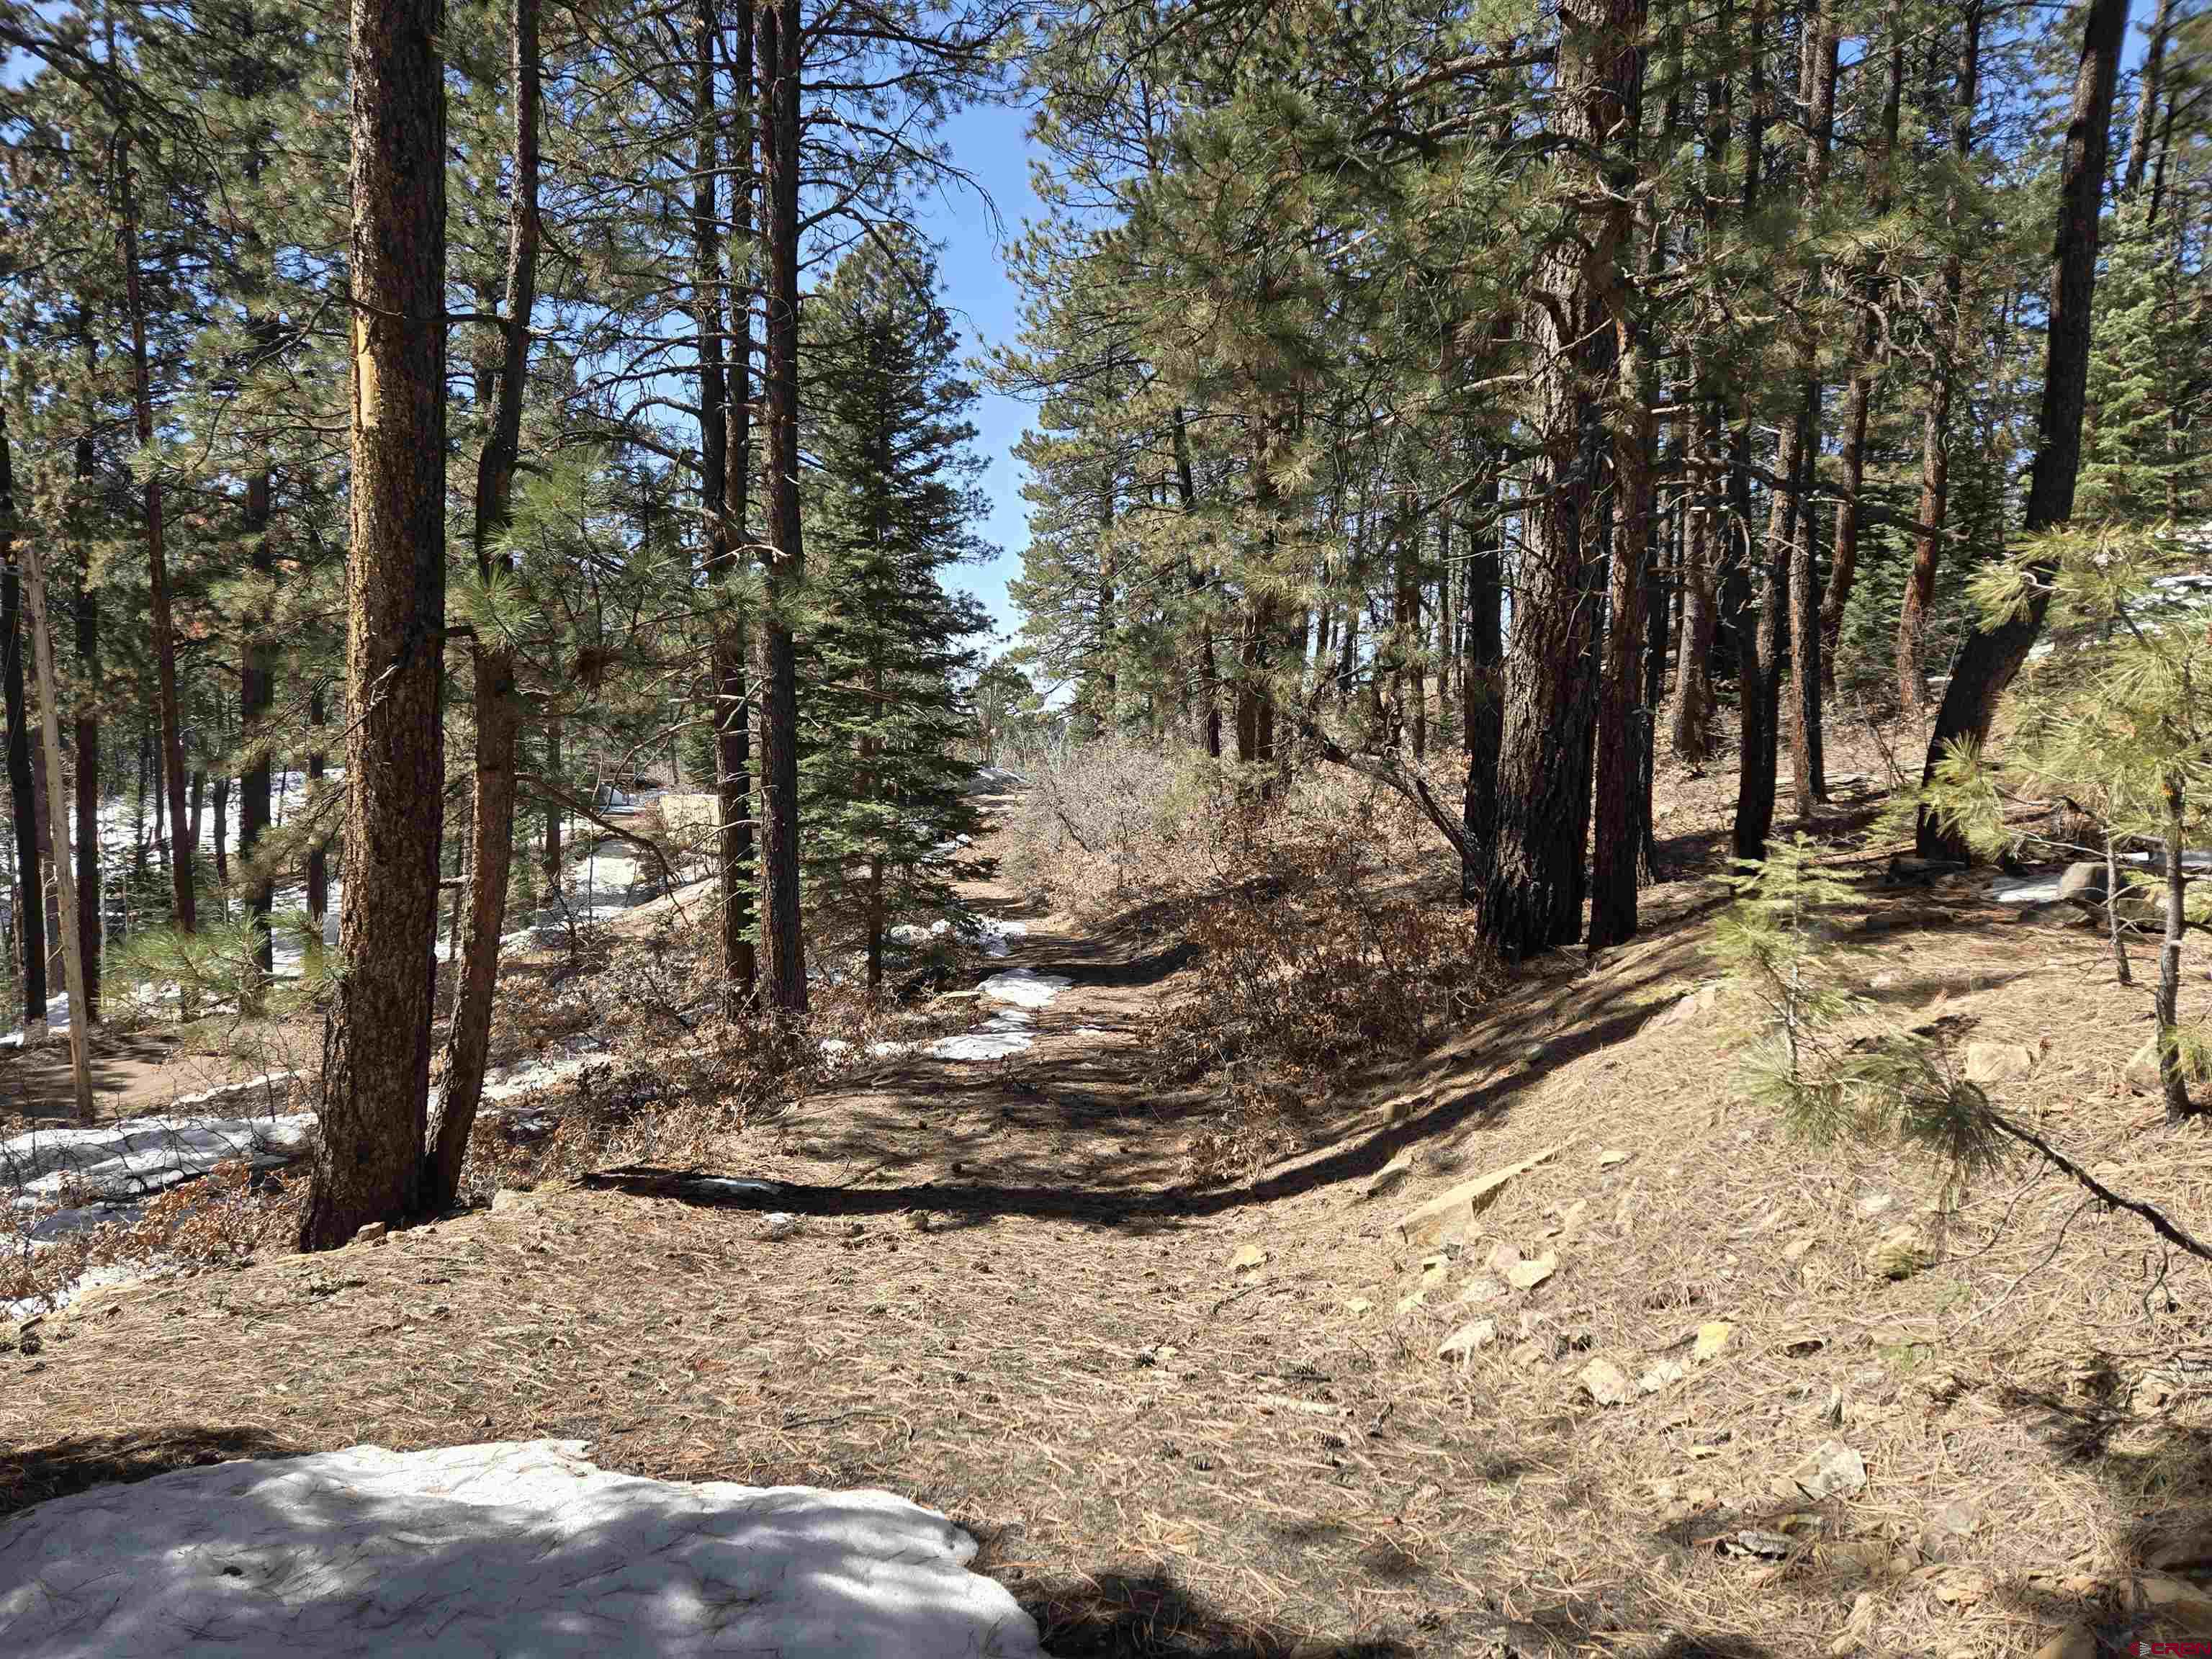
<point x="887" y="647"/>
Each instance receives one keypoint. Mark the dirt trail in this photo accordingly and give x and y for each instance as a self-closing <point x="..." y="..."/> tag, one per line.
<point x="997" y="1301"/>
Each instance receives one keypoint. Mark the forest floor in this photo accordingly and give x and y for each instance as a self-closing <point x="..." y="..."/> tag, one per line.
<point x="1216" y="1420"/>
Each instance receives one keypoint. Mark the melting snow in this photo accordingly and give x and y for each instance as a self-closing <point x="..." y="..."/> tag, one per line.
<point x="143" y="1155"/>
<point x="1010" y="1030"/>
<point x="1024" y="986"/>
<point x="515" y="1547"/>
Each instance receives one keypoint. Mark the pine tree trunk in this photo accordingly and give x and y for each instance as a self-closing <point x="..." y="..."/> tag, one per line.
<point x="30" y="907"/>
<point x="1761" y="634"/>
<point x="1936" y="423"/>
<point x="782" y="953"/>
<point x="733" y="719"/>
<point x="42" y="815"/>
<point x="498" y="703"/>
<point x="319" y="858"/>
<point x="257" y="682"/>
<point x="1531" y="899"/>
<point x="1807" y="769"/>
<point x="86" y="740"/>
<point x="181" y="849"/>
<point x="1842" y="571"/>
<point x="34" y="582"/>
<point x="376" y="1039"/>
<point x="2147" y="93"/>
<point x="2172" y="1077"/>
<point x="1482" y="703"/>
<point x="220" y="789"/>
<point x="1690" y="718"/>
<point x="1990" y="656"/>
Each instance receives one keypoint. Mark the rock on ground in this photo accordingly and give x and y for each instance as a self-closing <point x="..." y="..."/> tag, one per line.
<point x="512" y="1547"/>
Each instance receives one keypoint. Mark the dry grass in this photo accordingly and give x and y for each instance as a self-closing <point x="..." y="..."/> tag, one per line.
<point x="1005" y="1299"/>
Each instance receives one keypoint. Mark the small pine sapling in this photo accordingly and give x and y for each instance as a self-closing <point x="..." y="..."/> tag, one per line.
<point x="1817" y="1054"/>
<point x="2117" y="716"/>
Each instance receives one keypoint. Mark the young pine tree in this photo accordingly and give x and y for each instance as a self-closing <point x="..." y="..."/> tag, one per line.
<point x="887" y="647"/>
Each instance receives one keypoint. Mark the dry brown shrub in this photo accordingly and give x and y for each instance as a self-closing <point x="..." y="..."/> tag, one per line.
<point x="220" y="1219"/>
<point x="1319" y="957"/>
<point x="1109" y="820"/>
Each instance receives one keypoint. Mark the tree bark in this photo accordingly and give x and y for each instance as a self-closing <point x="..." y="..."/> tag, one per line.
<point x="2173" y="1080"/>
<point x="783" y="958"/>
<point x="1532" y="898"/>
<point x="86" y="740"/>
<point x="1617" y="842"/>
<point x="34" y="581"/>
<point x="318" y="857"/>
<point x="2147" y="86"/>
<point x="181" y="848"/>
<point x="1807" y="769"/>
<point x="1990" y="656"/>
<point x="376" y="1040"/>
<point x="30" y="903"/>
<point x="257" y="687"/>
<point x="733" y="715"/>
<point x="1935" y="422"/>
<point x="1690" y="718"/>
<point x="498" y="703"/>
<point x="1843" y="570"/>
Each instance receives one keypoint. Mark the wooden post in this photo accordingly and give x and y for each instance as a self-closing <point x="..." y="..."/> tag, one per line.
<point x="42" y="648"/>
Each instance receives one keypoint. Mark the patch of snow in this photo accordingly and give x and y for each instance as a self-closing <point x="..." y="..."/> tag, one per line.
<point x="82" y="1285"/>
<point x="2025" y="890"/>
<point x="1024" y="986"/>
<point x="512" y="1548"/>
<point x="998" y="936"/>
<point x="1003" y="1033"/>
<point x="143" y="1155"/>
<point x="995" y="781"/>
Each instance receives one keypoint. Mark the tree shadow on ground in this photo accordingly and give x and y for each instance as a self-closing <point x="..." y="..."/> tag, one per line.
<point x="1152" y="1614"/>
<point x="2159" y="1469"/>
<point x="34" y="1475"/>
<point x="1625" y="1008"/>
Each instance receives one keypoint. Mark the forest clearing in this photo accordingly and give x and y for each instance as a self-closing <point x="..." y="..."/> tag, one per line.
<point x="1223" y="827"/>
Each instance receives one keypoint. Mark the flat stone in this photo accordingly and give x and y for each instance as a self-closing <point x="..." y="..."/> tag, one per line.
<point x="2181" y="1603"/>
<point x="2083" y="883"/>
<point x="1830" y="1470"/>
<point x="2076" y="1641"/>
<point x="1666" y="1371"/>
<point x="1246" y="1257"/>
<point x="1605" y="1382"/>
<point x="1391" y="1176"/>
<point x="1451" y="1212"/>
<point x="1526" y="1275"/>
<point x="1998" y="1062"/>
<point x="2142" y="1074"/>
<point x="1469" y="1339"/>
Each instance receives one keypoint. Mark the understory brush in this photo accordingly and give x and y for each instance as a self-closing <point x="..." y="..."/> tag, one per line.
<point x="222" y="1219"/>
<point x="650" y="1069"/>
<point x="1107" y="821"/>
<point x="1318" y="954"/>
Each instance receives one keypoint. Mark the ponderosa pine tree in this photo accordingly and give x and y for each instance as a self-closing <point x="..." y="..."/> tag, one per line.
<point x="1993" y="654"/>
<point x="376" y="1045"/>
<point x="1534" y="897"/>
<point x="887" y="648"/>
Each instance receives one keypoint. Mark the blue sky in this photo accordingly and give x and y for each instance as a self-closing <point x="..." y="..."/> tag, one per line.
<point x="991" y="142"/>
